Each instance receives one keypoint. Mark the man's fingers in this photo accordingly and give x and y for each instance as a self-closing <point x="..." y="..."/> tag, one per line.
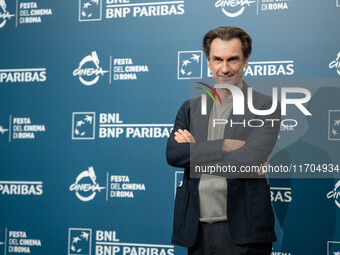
<point x="261" y="171"/>
<point x="184" y="136"/>
<point x="189" y="136"/>
<point x="179" y="138"/>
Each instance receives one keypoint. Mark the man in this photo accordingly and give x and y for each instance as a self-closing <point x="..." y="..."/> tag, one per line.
<point x="230" y="214"/>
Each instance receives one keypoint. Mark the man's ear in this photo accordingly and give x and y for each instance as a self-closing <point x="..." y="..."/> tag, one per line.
<point x="246" y="62"/>
<point x="208" y="63"/>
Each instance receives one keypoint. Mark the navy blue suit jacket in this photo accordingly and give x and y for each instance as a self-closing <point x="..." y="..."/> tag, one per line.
<point x="249" y="211"/>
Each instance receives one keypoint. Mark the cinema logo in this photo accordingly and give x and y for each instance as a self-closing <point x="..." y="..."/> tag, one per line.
<point x="107" y="242"/>
<point x="21" y="188"/>
<point x="117" y="186"/>
<point x="3" y="130"/>
<point x="112" y="126"/>
<point x="335" y="194"/>
<point x="86" y="186"/>
<point x="91" y="10"/>
<point x="5" y="15"/>
<point x="23" y="75"/>
<point x="235" y="8"/>
<point x="238" y="105"/>
<point x="89" y="70"/>
<point x="281" y="194"/>
<point x="335" y="64"/>
<point x="20" y="242"/>
<point x="280" y="253"/>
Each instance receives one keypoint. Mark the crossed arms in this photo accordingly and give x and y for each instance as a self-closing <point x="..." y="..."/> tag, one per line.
<point x="183" y="149"/>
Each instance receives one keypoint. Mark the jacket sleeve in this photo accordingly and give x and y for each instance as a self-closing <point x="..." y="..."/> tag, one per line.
<point x="178" y="154"/>
<point x="259" y="144"/>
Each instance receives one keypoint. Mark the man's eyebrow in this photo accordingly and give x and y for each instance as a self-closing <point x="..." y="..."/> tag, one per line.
<point x="230" y="58"/>
<point x="216" y="58"/>
<point x="234" y="57"/>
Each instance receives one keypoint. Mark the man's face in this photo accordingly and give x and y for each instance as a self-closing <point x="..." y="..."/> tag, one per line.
<point x="226" y="61"/>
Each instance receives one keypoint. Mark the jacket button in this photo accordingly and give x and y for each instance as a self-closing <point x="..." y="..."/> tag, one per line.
<point x="195" y="193"/>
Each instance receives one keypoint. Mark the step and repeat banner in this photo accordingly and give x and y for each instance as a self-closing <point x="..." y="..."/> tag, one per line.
<point x="89" y="91"/>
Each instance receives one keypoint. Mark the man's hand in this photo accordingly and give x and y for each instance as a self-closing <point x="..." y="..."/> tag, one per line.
<point x="261" y="172"/>
<point x="184" y="136"/>
<point x="231" y="145"/>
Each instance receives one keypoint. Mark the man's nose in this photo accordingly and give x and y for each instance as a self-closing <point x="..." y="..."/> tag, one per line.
<point x="225" y="67"/>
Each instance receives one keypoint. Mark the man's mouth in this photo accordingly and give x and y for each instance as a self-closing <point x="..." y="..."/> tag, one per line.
<point x="226" y="76"/>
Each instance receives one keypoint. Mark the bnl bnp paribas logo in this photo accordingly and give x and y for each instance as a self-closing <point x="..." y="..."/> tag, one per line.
<point x="235" y="8"/>
<point x="86" y="186"/>
<point x="333" y="248"/>
<point x="79" y="241"/>
<point x="335" y="64"/>
<point x="334" y="125"/>
<point x="5" y="15"/>
<point x="111" y="125"/>
<point x="189" y="64"/>
<point x="91" y="10"/>
<point x="106" y="242"/>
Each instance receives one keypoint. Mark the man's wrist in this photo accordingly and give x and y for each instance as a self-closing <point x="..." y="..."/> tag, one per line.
<point x="225" y="146"/>
<point x="231" y="145"/>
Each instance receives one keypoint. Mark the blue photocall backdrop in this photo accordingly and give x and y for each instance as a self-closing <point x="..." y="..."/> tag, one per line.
<point x="89" y="90"/>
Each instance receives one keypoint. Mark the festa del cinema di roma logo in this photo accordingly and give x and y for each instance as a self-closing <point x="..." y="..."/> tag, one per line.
<point x="89" y="67"/>
<point x="85" y="185"/>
